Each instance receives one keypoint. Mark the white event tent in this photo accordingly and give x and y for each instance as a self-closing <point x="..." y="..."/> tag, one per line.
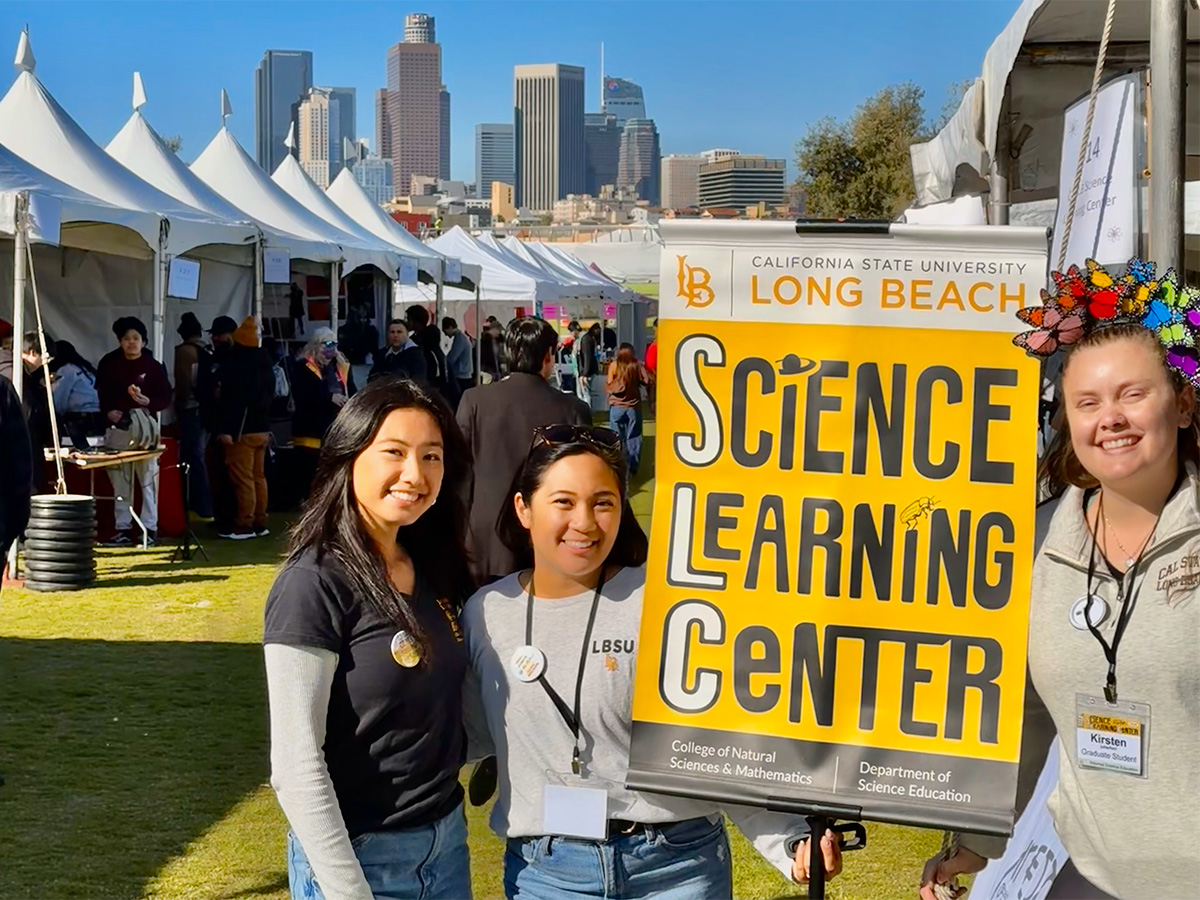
<point x="567" y="289"/>
<point x="351" y="199"/>
<point x="331" y="252"/>
<point x="34" y="126"/>
<point x="80" y="244"/>
<point x="502" y="288"/>
<point x="573" y="268"/>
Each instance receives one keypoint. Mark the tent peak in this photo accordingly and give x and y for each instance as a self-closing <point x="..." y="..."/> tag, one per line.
<point x="139" y="92"/>
<point x="226" y="108"/>
<point x="24" y="60"/>
<point x="290" y="140"/>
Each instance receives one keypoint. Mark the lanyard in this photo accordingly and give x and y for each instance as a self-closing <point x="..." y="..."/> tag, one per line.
<point x="1127" y="603"/>
<point x="570" y="716"/>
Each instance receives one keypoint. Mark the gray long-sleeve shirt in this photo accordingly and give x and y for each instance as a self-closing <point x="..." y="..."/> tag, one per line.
<point x="532" y="743"/>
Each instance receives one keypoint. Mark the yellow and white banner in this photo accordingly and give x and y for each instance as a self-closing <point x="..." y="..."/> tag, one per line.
<point x="837" y="597"/>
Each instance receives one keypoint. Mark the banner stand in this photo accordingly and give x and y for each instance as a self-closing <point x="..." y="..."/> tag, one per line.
<point x="817" y="825"/>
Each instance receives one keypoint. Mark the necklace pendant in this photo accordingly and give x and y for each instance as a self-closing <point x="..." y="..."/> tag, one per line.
<point x="1129" y="563"/>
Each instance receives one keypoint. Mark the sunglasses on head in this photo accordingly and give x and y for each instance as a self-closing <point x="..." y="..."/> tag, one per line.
<point x="329" y="345"/>
<point x="556" y="435"/>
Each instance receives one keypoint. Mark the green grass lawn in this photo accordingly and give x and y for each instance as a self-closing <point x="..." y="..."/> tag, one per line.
<point x="133" y="742"/>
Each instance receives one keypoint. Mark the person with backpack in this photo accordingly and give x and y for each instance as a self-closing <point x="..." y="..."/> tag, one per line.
<point x="191" y="357"/>
<point x="429" y="339"/>
<point x="247" y="387"/>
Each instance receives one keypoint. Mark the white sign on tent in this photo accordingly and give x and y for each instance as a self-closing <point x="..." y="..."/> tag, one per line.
<point x="1106" y="223"/>
<point x="277" y="267"/>
<point x="453" y="271"/>
<point x="408" y="270"/>
<point x="183" y="279"/>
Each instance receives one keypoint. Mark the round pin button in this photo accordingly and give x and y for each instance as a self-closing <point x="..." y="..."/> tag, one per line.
<point x="405" y="649"/>
<point x="1098" y="612"/>
<point x="528" y="663"/>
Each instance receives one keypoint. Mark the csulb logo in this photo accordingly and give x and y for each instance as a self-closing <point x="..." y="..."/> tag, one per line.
<point x="694" y="285"/>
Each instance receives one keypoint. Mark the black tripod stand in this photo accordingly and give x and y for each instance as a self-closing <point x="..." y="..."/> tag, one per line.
<point x="189" y="544"/>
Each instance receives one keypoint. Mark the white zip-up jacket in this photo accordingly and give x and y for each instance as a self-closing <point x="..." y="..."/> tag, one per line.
<point x="1132" y="837"/>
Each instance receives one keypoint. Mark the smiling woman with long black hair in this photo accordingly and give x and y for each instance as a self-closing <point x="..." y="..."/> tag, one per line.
<point x="365" y="658"/>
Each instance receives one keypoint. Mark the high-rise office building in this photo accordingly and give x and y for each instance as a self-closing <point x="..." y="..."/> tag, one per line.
<point x="602" y="151"/>
<point x="375" y="175"/>
<point x="281" y="81"/>
<point x="347" y="101"/>
<point x="548" y="133"/>
<point x="444" y="135"/>
<point x="740" y="181"/>
<point x="419" y="29"/>
<point x="623" y="99"/>
<point x="680" y="180"/>
<point x="320" y="117"/>
<point x="494" y="159"/>
<point x="414" y="103"/>
<point x="638" y="166"/>
<point x="383" y="124"/>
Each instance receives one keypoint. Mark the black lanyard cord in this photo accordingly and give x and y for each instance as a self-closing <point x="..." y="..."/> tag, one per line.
<point x="1126" y="599"/>
<point x="570" y="716"/>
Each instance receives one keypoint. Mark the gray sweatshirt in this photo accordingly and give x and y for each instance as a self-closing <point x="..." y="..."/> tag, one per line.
<point x="532" y="743"/>
<point x="1132" y="837"/>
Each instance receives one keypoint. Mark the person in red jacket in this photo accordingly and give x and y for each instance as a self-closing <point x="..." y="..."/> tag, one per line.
<point x="130" y="378"/>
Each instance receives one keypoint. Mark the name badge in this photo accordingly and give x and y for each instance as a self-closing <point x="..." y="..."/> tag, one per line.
<point x="1112" y="737"/>
<point x="575" y="812"/>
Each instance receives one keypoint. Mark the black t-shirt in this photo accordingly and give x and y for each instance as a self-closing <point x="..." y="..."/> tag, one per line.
<point x="394" y="737"/>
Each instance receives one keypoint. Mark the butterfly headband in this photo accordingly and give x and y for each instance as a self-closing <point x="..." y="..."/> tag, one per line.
<point x="1084" y="300"/>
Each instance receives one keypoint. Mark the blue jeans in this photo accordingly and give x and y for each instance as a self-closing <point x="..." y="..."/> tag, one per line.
<point x="193" y="442"/>
<point x="679" y="861"/>
<point x="628" y="424"/>
<point x="429" y="862"/>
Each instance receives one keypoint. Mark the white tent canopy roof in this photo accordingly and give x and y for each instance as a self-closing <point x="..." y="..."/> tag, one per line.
<point x="226" y="168"/>
<point x="499" y="279"/>
<point x="78" y="213"/>
<point x="1039" y="94"/>
<point x="535" y="270"/>
<point x="349" y="196"/>
<point x="34" y="126"/>
<point x="295" y="182"/>
<point x="138" y="147"/>
<point x="609" y="288"/>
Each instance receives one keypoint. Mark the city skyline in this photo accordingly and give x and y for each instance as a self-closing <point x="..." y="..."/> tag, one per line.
<point x="766" y="100"/>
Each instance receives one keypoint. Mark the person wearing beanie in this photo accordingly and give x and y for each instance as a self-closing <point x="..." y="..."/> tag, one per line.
<point x="190" y="357"/>
<point x="130" y="378"/>
<point x="246" y="388"/>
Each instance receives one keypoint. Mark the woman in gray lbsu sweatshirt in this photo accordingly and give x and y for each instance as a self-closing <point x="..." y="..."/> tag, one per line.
<point x="549" y="692"/>
<point x="1114" y="631"/>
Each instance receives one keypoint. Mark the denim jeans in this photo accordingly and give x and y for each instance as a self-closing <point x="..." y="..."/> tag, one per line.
<point x="425" y="863"/>
<point x="193" y="441"/>
<point x="627" y="422"/>
<point x="678" y="861"/>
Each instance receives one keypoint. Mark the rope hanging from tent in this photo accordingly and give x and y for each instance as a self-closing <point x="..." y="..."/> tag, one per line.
<point x="60" y="486"/>
<point x="1087" y="133"/>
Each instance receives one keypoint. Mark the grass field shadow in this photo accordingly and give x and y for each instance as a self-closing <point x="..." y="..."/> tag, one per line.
<point x="76" y="819"/>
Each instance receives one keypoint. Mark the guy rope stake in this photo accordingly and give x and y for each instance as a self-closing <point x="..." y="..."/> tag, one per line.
<point x="1087" y="133"/>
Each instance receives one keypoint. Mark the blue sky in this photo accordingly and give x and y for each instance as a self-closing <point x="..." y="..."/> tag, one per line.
<point x="746" y="75"/>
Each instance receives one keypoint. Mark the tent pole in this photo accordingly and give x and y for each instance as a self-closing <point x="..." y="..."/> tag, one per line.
<point x="334" y="286"/>
<point x="159" y="313"/>
<point x="20" y="222"/>
<point x="441" y="287"/>
<point x="478" y="337"/>
<point x="1168" y="40"/>
<point x="998" y="176"/>
<point x="259" y="290"/>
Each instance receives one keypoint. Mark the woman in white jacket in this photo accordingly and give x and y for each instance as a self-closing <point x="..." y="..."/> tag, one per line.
<point x="1114" y="636"/>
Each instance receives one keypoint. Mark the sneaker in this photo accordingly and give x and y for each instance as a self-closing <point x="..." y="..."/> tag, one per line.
<point x="197" y="518"/>
<point x="119" y="540"/>
<point x="151" y="539"/>
<point x="240" y="535"/>
<point x="262" y="532"/>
